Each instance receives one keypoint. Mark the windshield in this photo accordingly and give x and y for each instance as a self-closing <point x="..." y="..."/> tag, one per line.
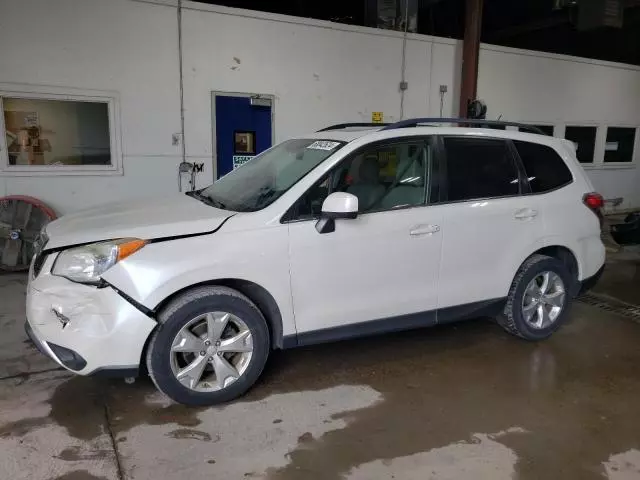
<point x="259" y="182"/>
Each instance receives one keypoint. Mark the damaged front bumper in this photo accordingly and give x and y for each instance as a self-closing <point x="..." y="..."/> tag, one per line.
<point x="85" y="329"/>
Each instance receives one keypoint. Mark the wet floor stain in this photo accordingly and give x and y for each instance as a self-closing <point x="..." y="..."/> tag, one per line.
<point x="481" y="457"/>
<point x="439" y="386"/>
<point x="78" y="475"/>
<point x="78" y="405"/>
<point x="21" y="427"/>
<point x="76" y="454"/>
<point x="189" y="434"/>
<point x="571" y="397"/>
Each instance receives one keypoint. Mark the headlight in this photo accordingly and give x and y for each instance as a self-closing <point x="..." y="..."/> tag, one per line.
<point x="87" y="263"/>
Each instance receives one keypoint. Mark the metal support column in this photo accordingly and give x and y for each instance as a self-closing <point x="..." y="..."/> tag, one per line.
<point x="470" y="50"/>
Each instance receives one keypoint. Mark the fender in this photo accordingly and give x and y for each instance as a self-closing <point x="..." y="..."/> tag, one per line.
<point x="162" y="269"/>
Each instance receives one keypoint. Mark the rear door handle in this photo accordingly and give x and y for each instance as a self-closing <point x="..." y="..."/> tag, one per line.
<point x="419" y="230"/>
<point x="525" y="214"/>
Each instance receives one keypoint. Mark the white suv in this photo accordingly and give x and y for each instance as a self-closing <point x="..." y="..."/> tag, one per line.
<point x="335" y="235"/>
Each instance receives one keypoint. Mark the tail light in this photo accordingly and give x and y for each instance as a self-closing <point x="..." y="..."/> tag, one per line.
<point x="595" y="202"/>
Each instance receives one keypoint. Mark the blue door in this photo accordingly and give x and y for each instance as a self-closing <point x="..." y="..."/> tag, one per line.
<point x="243" y="130"/>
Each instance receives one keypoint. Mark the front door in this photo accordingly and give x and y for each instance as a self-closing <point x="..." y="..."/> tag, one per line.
<point x="243" y="129"/>
<point x="382" y="265"/>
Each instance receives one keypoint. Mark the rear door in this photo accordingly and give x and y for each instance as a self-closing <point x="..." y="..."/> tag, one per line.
<point x="489" y="222"/>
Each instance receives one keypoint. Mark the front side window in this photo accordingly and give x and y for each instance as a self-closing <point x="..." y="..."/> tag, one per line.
<point x="545" y="169"/>
<point x="479" y="168"/>
<point x="384" y="177"/>
<point x="259" y="182"/>
<point x="56" y="133"/>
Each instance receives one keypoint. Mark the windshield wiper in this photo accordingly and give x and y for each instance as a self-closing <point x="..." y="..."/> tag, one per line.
<point x="212" y="202"/>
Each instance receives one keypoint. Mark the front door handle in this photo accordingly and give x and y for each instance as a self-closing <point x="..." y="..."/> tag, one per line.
<point x="420" y="230"/>
<point x="525" y="214"/>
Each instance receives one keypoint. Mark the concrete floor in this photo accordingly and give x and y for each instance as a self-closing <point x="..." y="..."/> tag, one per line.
<point x="455" y="402"/>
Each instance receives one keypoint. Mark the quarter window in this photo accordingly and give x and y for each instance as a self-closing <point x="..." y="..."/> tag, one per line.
<point x="383" y="178"/>
<point x="479" y="168"/>
<point x="544" y="168"/>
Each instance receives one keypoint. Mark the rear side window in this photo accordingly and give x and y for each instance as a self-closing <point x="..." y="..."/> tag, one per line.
<point x="545" y="169"/>
<point x="479" y="168"/>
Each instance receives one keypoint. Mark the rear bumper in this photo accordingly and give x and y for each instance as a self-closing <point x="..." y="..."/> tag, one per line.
<point x="588" y="283"/>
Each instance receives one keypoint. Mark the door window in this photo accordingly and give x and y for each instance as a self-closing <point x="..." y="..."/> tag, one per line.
<point x="244" y="143"/>
<point x="383" y="177"/>
<point x="544" y="168"/>
<point x="479" y="168"/>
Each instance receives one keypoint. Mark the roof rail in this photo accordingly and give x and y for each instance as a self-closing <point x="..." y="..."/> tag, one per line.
<point x="341" y="126"/>
<point x="413" y="122"/>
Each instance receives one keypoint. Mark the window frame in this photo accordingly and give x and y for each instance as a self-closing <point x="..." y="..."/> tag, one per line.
<point x="529" y="191"/>
<point x="436" y="165"/>
<point x="63" y="94"/>
<point x="523" y="184"/>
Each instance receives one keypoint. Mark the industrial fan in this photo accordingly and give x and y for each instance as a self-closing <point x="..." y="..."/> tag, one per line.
<point x="21" y="220"/>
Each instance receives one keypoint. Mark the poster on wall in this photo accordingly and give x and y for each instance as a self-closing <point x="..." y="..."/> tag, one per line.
<point x="239" y="160"/>
<point x="24" y="143"/>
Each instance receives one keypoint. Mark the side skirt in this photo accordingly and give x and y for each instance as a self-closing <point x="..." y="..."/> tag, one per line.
<point x="486" y="308"/>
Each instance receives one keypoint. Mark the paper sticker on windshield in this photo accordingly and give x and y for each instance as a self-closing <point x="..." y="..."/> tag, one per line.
<point x="323" y="145"/>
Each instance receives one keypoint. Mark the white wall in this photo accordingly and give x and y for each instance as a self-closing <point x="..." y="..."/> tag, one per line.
<point x="544" y="88"/>
<point x="118" y="46"/>
<point x="319" y="72"/>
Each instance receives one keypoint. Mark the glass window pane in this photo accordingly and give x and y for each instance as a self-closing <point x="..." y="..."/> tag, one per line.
<point x="383" y="178"/>
<point x="479" y="168"/>
<point x="544" y="167"/>
<point x="244" y="143"/>
<point x="584" y="139"/>
<point x="56" y="132"/>
<point x="619" y="145"/>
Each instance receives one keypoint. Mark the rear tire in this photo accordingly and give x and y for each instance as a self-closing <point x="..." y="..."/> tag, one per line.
<point x="535" y="310"/>
<point x="210" y="346"/>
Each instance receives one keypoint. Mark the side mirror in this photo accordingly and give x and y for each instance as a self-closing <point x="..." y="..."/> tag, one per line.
<point x="338" y="205"/>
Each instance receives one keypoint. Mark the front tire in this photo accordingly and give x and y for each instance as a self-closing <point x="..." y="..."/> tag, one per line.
<point x="539" y="298"/>
<point x="210" y="346"/>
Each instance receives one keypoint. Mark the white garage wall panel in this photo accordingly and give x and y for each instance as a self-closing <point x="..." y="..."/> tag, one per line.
<point x="543" y="88"/>
<point x="319" y="73"/>
<point x="128" y="49"/>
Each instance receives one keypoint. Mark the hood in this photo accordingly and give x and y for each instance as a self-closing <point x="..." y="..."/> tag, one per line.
<point x="168" y="216"/>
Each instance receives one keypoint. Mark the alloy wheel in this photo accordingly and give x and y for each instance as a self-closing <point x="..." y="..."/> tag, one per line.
<point x="211" y="351"/>
<point x="543" y="300"/>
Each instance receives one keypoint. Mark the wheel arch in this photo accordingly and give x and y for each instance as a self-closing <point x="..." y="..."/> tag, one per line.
<point x="567" y="257"/>
<point x="259" y="295"/>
